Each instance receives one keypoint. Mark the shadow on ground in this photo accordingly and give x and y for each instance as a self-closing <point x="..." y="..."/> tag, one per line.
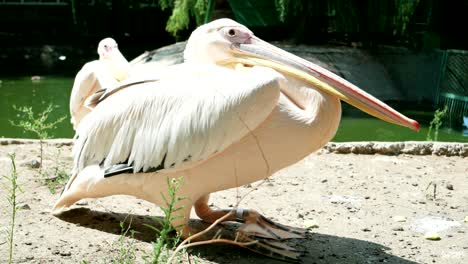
<point x="320" y="248"/>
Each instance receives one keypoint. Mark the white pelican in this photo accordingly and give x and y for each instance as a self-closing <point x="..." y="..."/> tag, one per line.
<point x="238" y="110"/>
<point x="106" y="72"/>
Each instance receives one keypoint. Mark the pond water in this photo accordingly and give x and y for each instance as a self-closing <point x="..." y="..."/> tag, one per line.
<point x="56" y="90"/>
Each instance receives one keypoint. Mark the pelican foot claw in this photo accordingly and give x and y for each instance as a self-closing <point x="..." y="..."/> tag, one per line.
<point x="271" y="248"/>
<point x="259" y="226"/>
<point x="268" y="238"/>
<point x="301" y="232"/>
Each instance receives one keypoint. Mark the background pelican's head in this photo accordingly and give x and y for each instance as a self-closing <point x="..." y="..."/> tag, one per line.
<point x="106" y="48"/>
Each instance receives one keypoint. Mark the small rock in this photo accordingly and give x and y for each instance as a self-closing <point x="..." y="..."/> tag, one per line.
<point x="65" y="254"/>
<point x="398" y="228"/>
<point x="35" y="164"/>
<point x="29" y="257"/>
<point x="365" y="229"/>
<point x="449" y="186"/>
<point x="434" y="236"/>
<point x="82" y="203"/>
<point x="23" y="206"/>
<point x="415" y="184"/>
<point x="309" y="224"/>
<point x="324" y="180"/>
<point x="466" y="219"/>
<point x="399" y="218"/>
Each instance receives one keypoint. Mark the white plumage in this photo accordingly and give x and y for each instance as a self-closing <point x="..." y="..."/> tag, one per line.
<point x="172" y="120"/>
<point x="111" y="68"/>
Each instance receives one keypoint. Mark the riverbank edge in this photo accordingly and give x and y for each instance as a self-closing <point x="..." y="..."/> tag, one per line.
<point x="366" y="147"/>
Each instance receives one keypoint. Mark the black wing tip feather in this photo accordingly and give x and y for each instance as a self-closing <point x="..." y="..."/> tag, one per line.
<point x="124" y="167"/>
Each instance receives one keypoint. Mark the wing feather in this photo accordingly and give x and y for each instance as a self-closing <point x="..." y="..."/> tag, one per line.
<point x="188" y="115"/>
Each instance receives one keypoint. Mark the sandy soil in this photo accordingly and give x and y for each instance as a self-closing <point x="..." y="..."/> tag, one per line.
<point x="353" y="199"/>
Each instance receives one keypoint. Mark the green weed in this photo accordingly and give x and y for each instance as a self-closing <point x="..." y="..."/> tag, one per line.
<point x="436" y="123"/>
<point x="127" y="250"/>
<point x="55" y="176"/>
<point x="12" y="189"/>
<point x="164" y="243"/>
<point x="37" y="123"/>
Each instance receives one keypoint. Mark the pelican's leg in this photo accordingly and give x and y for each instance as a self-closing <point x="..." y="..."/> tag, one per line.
<point x="266" y="233"/>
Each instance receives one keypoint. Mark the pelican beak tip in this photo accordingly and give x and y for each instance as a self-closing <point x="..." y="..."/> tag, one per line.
<point x="415" y="125"/>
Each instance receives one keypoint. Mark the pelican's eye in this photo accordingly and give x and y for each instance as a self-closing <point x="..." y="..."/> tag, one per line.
<point x="232" y="32"/>
<point x="236" y="35"/>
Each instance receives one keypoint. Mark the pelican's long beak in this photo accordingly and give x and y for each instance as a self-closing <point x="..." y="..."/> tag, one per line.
<point x="259" y="52"/>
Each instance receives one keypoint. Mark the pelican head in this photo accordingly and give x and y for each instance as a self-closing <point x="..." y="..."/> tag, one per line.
<point x="226" y="42"/>
<point x="106" y="48"/>
<point x="211" y="43"/>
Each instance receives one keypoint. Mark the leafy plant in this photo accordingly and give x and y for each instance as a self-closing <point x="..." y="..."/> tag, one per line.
<point x="12" y="188"/>
<point x="182" y="10"/>
<point x="164" y="241"/>
<point x="37" y="123"/>
<point x="436" y="123"/>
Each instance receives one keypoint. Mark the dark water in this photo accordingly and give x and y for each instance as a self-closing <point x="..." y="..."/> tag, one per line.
<point x="56" y="90"/>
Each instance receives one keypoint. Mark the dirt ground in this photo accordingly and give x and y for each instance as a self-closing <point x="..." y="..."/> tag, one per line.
<point x="353" y="199"/>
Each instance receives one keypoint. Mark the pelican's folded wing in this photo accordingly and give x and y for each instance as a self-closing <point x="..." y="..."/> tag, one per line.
<point x="190" y="114"/>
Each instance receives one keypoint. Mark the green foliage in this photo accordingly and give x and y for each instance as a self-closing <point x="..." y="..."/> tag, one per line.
<point x="37" y="123"/>
<point x="164" y="241"/>
<point x="391" y="16"/>
<point x="404" y="11"/>
<point x="182" y="11"/>
<point x="59" y="179"/>
<point x="11" y="188"/>
<point x="56" y="176"/>
<point x="127" y="248"/>
<point x="288" y="8"/>
<point x="436" y="123"/>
